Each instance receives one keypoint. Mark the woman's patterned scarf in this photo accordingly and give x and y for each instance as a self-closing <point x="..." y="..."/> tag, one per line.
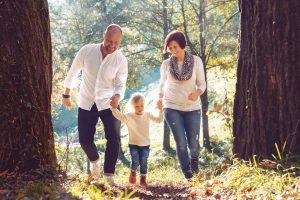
<point x="187" y="67"/>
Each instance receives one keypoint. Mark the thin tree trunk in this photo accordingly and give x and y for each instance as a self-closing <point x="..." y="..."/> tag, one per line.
<point x="26" y="84"/>
<point x="204" y="100"/>
<point x="267" y="99"/>
<point x="166" y="139"/>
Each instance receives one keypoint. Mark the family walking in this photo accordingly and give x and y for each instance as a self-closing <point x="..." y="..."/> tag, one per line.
<point x="104" y="74"/>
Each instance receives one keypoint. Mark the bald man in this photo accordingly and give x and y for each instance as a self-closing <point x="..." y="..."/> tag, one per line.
<point x="104" y="74"/>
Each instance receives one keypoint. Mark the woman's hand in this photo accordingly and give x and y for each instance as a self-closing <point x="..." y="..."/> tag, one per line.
<point x="194" y="95"/>
<point x="159" y="104"/>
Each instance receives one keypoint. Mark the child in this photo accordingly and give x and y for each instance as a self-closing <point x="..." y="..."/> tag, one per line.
<point x="137" y="123"/>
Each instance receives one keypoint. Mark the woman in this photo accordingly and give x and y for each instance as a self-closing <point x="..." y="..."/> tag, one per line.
<point x="182" y="83"/>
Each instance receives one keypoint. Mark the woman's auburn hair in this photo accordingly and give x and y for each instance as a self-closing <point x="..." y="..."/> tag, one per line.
<point x="176" y="36"/>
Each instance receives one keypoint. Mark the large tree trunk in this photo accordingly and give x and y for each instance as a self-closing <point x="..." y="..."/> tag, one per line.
<point x="26" y="76"/>
<point x="267" y="100"/>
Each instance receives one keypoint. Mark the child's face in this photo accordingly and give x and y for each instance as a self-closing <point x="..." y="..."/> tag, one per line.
<point x="139" y="107"/>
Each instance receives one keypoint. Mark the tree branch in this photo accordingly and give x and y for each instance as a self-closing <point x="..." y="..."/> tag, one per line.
<point x="218" y="35"/>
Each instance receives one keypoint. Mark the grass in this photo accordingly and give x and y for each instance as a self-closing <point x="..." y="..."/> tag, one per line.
<point x="243" y="179"/>
<point x="219" y="173"/>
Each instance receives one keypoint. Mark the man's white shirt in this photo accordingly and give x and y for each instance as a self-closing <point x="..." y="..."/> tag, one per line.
<point x="101" y="78"/>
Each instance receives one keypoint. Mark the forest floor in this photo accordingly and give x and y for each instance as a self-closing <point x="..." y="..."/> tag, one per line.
<point x="42" y="185"/>
<point x="36" y="184"/>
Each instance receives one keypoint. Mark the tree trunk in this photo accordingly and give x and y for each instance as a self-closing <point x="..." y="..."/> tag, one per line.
<point x="267" y="99"/>
<point x="166" y="139"/>
<point x="26" y="84"/>
<point x="204" y="100"/>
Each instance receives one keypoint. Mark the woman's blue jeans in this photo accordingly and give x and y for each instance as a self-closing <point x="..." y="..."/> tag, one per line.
<point x="185" y="126"/>
<point x="139" y="157"/>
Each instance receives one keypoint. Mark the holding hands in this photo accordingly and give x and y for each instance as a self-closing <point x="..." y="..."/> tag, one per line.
<point x="114" y="100"/>
<point x="159" y="104"/>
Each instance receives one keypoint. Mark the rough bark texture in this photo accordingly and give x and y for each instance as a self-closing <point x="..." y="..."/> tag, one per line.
<point x="26" y="83"/>
<point x="267" y="100"/>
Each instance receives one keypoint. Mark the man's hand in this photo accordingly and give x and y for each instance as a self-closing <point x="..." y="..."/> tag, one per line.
<point x="114" y="101"/>
<point x="66" y="102"/>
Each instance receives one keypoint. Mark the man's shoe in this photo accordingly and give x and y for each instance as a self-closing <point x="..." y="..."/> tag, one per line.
<point x="188" y="175"/>
<point x="132" y="177"/>
<point x="195" y="165"/>
<point x="109" y="178"/>
<point x="95" y="169"/>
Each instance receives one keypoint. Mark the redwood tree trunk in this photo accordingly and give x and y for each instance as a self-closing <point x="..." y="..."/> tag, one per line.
<point x="26" y="78"/>
<point x="267" y="100"/>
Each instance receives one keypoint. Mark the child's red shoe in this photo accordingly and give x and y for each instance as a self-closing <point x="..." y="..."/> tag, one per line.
<point x="132" y="177"/>
<point x="143" y="181"/>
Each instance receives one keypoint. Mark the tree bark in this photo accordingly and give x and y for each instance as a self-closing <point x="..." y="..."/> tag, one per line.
<point x="26" y="84"/>
<point x="267" y="99"/>
<point x="167" y="131"/>
<point x="204" y="100"/>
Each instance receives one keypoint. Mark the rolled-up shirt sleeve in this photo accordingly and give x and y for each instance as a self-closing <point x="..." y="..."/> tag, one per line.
<point x="200" y="76"/>
<point x="76" y="67"/>
<point x="121" y="78"/>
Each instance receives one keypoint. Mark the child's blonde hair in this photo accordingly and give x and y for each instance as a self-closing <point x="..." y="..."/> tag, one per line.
<point x="136" y="97"/>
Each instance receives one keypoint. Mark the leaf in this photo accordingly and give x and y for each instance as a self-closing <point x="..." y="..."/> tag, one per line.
<point x="20" y="196"/>
<point x="217" y="107"/>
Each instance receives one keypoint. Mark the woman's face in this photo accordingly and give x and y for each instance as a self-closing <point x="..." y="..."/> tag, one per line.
<point x="175" y="49"/>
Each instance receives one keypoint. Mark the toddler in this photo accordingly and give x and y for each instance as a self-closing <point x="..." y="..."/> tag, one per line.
<point x="137" y="122"/>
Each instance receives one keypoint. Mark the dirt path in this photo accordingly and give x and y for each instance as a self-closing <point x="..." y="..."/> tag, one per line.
<point x="153" y="191"/>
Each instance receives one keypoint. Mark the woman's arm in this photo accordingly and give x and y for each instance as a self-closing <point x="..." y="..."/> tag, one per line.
<point x="163" y="78"/>
<point x="200" y="77"/>
<point x="200" y="80"/>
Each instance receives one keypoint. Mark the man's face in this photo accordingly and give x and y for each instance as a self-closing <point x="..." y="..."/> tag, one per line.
<point x="111" y="41"/>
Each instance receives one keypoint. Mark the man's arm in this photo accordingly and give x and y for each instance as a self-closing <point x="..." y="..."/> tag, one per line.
<point x="120" y="84"/>
<point x="72" y="74"/>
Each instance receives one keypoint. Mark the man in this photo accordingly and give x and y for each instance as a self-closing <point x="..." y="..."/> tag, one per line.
<point x="104" y="74"/>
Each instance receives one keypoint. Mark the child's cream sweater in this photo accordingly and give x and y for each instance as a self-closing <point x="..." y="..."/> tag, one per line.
<point x="138" y="125"/>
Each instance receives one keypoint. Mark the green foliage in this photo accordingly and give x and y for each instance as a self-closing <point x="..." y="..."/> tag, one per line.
<point x="243" y="176"/>
<point x="94" y="193"/>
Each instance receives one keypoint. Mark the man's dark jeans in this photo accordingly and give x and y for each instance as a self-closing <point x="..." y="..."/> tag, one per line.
<point x="87" y="121"/>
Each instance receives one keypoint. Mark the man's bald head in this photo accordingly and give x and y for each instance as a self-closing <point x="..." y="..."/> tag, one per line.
<point x="113" y="28"/>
